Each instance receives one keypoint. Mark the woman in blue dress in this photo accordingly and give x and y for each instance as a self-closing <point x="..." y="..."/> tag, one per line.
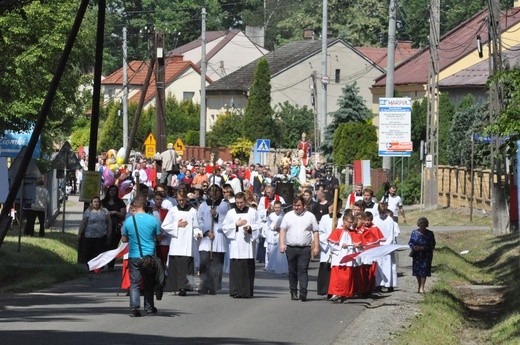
<point x="422" y="244"/>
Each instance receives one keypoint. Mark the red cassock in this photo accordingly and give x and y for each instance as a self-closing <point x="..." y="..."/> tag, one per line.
<point x="370" y="237"/>
<point x="342" y="275"/>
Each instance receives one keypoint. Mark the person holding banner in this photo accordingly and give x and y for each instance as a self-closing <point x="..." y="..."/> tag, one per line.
<point x="342" y="241"/>
<point x="140" y="231"/>
<point x="325" y="228"/>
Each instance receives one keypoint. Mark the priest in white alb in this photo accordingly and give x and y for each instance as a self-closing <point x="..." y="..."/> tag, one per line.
<point x="182" y="224"/>
<point x="241" y="227"/>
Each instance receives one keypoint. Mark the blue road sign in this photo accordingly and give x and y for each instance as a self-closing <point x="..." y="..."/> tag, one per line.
<point x="12" y="142"/>
<point x="263" y="145"/>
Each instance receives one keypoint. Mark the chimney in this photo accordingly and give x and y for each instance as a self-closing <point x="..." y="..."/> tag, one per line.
<point x="176" y="58"/>
<point x="256" y="34"/>
<point x="405" y="44"/>
<point x="308" y="34"/>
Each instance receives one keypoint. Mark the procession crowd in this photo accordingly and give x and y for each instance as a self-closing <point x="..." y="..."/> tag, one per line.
<point x="213" y="219"/>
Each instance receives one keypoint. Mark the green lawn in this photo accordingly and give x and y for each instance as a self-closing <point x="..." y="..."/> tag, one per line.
<point x="41" y="262"/>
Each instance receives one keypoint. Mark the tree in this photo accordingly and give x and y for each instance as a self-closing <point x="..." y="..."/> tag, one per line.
<point x="446" y="110"/>
<point x="241" y="149"/>
<point x="226" y="130"/>
<point x="419" y="113"/>
<point x="419" y="124"/>
<point x="181" y="118"/>
<point x="468" y="119"/>
<point x="359" y="22"/>
<point x="353" y="141"/>
<point x="33" y="37"/>
<point x="293" y="121"/>
<point x="258" y="115"/>
<point x="352" y="108"/>
<point x="413" y="27"/>
<point x="508" y="121"/>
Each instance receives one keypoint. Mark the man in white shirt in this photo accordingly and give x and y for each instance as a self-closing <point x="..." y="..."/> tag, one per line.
<point x="395" y="203"/>
<point x="298" y="232"/>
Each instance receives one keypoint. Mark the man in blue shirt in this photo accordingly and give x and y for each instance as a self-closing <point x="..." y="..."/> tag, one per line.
<point x="149" y="232"/>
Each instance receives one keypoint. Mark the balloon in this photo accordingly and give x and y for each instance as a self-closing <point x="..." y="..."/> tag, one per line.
<point x="125" y="187"/>
<point x="113" y="167"/>
<point x="108" y="177"/>
<point x="120" y="156"/>
<point x="111" y="156"/>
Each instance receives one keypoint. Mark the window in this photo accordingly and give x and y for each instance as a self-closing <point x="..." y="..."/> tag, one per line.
<point x="188" y="95"/>
<point x="337" y="78"/>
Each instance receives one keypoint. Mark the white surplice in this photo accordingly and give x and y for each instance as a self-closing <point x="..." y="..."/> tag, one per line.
<point x="183" y="239"/>
<point x="241" y="244"/>
<point x="324" y="230"/>
<point x="386" y="274"/>
<point x="220" y="243"/>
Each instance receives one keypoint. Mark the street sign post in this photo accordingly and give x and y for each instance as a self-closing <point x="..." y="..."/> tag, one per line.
<point x="179" y="147"/>
<point x="263" y="145"/>
<point x="150" y="146"/>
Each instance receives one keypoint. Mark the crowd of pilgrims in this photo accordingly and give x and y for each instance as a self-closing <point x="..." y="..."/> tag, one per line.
<point x="213" y="224"/>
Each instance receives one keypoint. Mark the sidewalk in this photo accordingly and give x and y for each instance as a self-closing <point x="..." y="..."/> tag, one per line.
<point x="73" y="215"/>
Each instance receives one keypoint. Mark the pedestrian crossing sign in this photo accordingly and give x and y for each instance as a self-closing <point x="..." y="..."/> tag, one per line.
<point x="263" y="145"/>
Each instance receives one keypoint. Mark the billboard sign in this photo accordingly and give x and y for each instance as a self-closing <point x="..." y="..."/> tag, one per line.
<point x="395" y="127"/>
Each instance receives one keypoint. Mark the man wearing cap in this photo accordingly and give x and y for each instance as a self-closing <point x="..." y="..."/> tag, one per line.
<point x="170" y="164"/>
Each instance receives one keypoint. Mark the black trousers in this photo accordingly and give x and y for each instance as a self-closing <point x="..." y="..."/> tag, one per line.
<point x="323" y="278"/>
<point x="94" y="247"/>
<point x="31" y="219"/>
<point x="298" y="259"/>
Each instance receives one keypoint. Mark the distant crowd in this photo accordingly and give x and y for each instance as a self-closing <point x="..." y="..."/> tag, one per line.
<point x="205" y="218"/>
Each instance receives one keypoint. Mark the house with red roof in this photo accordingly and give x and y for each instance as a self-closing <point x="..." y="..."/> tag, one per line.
<point x="226" y="51"/>
<point x="403" y="51"/>
<point x="182" y="81"/>
<point x="462" y="69"/>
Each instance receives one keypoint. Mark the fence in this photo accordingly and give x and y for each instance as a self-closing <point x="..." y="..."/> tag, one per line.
<point x="205" y="153"/>
<point x="455" y="188"/>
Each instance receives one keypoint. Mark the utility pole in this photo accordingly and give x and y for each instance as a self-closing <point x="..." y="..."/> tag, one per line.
<point x="432" y="126"/>
<point x="144" y="90"/>
<point x="125" y="90"/>
<point x="314" y="97"/>
<point x="390" y="66"/>
<point x="324" y="76"/>
<point x="160" y="124"/>
<point x="499" y="206"/>
<point x="202" y="130"/>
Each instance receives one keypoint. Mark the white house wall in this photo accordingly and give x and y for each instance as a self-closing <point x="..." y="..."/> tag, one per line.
<point x="293" y="85"/>
<point x="239" y="52"/>
<point x="218" y="104"/>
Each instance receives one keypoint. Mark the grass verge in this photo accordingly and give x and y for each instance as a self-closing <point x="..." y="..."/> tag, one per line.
<point x="450" y="217"/>
<point x="40" y="262"/>
<point x="445" y="317"/>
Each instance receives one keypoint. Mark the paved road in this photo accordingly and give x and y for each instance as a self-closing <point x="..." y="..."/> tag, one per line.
<point x="90" y="311"/>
